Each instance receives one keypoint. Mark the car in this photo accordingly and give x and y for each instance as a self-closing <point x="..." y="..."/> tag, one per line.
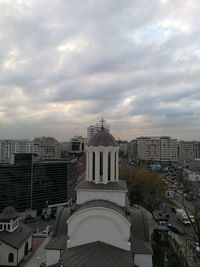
<point x="175" y="229"/>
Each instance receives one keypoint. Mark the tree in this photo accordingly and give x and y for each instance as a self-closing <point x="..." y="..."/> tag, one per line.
<point x="145" y="187"/>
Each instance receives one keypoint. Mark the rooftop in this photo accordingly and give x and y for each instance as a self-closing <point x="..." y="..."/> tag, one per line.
<point x="97" y="254"/>
<point x="103" y="138"/>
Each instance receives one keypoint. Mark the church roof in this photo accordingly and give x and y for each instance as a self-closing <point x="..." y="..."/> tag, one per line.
<point x="103" y="138"/>
<point x="8" y="213"/>
<point x="104" y="204"/>
<point x="97" y="254"/>
<point x="120" y="185"/>
<point x="18" y="237"/>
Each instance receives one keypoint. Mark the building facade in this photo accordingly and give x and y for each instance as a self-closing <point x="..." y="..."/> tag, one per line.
<point x="26" y="185"/>
<point x="47" y="147"/>
<point x="154" y="149"/>
<point x="15" y="238"/>
<point x="93" y="129"/>
<point x="8" y="147"/>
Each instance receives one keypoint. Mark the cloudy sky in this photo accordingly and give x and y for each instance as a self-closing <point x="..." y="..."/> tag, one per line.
<point x="66" y="63"/>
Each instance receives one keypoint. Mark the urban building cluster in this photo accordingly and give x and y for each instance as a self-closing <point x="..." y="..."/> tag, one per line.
<point x="163" y="149"/>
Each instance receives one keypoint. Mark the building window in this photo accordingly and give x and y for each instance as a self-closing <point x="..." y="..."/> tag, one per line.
<point x="109" y="167"/>
<point x="93" y="166"/>
<point x="1" y="226"/>
<point x="10" y="257"/>
<point x="8" y="226"/>
<point x="115" y="163"/>
<point x="101" y="164"/>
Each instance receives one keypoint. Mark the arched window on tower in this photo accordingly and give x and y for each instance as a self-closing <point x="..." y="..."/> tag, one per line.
<point x="101" y="166"/>
<point x="109" y="167"/>
<point x="10" y="257"/>
<point x="115" y="164"/>
<point x="93" y="166"/>
<point x="87" y="158"/>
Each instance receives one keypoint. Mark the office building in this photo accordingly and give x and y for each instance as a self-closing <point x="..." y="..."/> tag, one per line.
<point x="35" y="185"/>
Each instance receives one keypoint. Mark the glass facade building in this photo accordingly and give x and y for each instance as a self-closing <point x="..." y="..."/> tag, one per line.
<point x="47" y="181"/>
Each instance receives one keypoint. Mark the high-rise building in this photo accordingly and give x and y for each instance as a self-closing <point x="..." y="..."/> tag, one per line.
<point x="185" y="151"/>
<point x="47" y="147"/>
<point x="27" y="184"/>
<point x="154" y="148"/>
<point x="8" y="147"/>
<point x="93" y="129"/>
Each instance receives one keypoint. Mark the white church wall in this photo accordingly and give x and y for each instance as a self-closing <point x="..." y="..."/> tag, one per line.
<point x="116" y="197"/>
<point x="21" y="251"/>
<point x="4" y="253"/>
<point x="143" y="260"/>
<point x="52" y="256"/>
<point x="98" y="224"/>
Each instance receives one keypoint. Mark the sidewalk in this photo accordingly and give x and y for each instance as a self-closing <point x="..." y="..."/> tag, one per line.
<point x="38" y="256"/>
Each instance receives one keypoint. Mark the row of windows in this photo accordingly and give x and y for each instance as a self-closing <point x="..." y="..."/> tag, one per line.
<point x="101" y="166"/>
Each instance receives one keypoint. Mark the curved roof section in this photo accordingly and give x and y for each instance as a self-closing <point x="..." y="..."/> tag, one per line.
<point x="104" y="204"/>
<point x="103" y="138"/>
<point x="8" y="213"/>
<point x="97" y="254"/>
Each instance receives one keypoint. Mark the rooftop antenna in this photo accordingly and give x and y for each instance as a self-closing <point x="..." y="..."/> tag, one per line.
<point x="102" y="124"/>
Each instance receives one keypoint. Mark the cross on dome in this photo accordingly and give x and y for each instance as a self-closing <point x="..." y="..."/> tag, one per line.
<point x="102" y="123"/>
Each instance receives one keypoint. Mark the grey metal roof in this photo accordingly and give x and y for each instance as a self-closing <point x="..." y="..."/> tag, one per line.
<point x="83" y="184"/>
<point x="18" y="237"/>
<point x="139" y="227"/>
<point x="102" y="203"/>
<point x="60" y="227"/>
<point x="8" y="213"/>
<point x="57" y="243"/>
<point x="139" y="246"/>
<point x="103" y="138"/>
<point x="97" y="254"/>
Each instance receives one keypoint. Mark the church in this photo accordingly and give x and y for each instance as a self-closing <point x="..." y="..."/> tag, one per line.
<point x="100" y="229"/>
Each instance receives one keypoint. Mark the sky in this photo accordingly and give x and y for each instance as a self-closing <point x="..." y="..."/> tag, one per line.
<point x="65" y="64"/>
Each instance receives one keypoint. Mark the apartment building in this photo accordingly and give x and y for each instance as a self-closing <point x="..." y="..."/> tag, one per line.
<point x="153" y="148"/>
<point x="93" y="129"/>
<point x="8" y="147"/>
<point x="47" y="147"/>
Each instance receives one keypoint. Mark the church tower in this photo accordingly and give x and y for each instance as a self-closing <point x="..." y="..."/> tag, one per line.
<point x="102" y="158"/>
<point x="102" y="171"/>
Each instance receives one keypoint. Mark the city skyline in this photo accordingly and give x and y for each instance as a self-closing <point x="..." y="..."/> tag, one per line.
<point x="65" y="64"/>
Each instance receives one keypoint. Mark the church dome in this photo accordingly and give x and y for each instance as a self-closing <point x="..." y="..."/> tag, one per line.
<point x="8" y="213"/>
<point x="103" y="138"/>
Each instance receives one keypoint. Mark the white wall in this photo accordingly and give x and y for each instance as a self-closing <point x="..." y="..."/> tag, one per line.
<point x="21" y="251"/>
<point x="116" y="197"/>
<point x="98" y="224"/>
<point x="143" y="260"/>
<point x="4" y="252"/>
<point x="52" y="256"/>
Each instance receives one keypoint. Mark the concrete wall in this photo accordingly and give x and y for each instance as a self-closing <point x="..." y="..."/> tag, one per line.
<point x="143" y="260"/>
<point x="113" y="196"/>
<point x="4" y="252"/>
<point x="21" y="251"/>
<point x="98" y="224"/>
<point x="52" y="256"/>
